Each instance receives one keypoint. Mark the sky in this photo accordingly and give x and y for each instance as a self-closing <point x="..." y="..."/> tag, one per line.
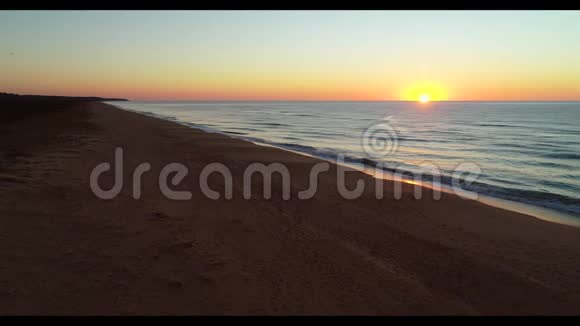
<point x="292" y="55"/>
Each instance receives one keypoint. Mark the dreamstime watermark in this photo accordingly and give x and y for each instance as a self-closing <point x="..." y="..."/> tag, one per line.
<point x="378" y="141"/>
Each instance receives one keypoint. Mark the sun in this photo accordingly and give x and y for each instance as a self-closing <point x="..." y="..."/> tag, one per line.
<point x="425" y="92"/>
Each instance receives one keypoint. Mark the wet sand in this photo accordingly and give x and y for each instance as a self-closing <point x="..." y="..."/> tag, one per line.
<point x="65" y="251"/>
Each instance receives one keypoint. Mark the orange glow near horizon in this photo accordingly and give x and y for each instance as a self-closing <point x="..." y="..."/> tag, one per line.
<point x="425" y="92"/>
<point x="420" y="92"/>
<point x="161" y="83"/>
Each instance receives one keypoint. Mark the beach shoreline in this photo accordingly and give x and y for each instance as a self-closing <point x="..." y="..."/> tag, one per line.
<point x="534" y="211"/>
<point x="325" y="255"/>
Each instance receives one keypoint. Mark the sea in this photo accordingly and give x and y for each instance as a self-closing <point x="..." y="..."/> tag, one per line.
<point x="527" y="152"/>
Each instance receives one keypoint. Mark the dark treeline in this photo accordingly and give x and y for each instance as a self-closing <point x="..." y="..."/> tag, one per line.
<point x="17" y="97"/>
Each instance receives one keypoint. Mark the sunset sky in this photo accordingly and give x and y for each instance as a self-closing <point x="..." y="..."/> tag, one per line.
<point x="292" y="55"/>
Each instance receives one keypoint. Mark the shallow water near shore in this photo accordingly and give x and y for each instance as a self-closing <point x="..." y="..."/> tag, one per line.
<point x="541" y="213"/>
<point x="528" y="152"/>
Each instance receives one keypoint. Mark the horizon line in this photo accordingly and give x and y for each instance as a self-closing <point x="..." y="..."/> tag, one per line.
<point x="294" y="100"/>
<point x="310" y="100"/>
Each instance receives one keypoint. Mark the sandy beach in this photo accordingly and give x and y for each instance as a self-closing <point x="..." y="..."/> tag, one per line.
<point x="65" y="251"/>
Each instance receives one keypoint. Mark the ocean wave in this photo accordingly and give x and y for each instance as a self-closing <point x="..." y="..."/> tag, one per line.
<point x="562" y="155"/>
<point x="549" y="164"/>
<point x="499" y="125"/>
<point x="410" y="139"/>
<point x="307" y="149"/>
<point x="235" y="132"/>
<point x="272" y="124"/>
